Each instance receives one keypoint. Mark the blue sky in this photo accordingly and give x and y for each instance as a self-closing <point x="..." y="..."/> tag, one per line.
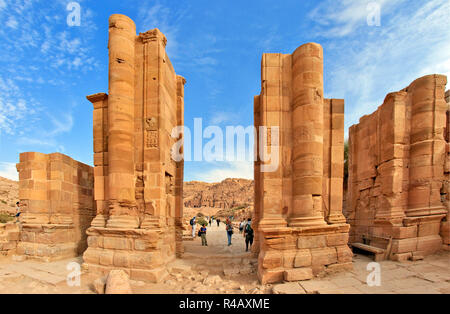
<point x="47" y="68"/>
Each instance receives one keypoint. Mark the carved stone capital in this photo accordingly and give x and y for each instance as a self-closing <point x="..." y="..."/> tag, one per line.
<point x="97" y="97"/>
<point x="153" y="35"/>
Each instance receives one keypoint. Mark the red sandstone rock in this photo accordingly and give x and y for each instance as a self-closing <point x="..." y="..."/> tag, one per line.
<point x="398" y="180"/>
<point x="298" y="206"/>
<point x="138" y="185"/>
<point x="118" y="282"/>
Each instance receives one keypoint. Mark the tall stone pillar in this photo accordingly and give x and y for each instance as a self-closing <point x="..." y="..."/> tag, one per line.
<point x="270" y="117"/>
<point x="122" y="204"/>
<point x="307" y="117"/>
<point x="333" y="154"/>
<point x="181" y="81"/>
<point x="138" y="185"/>
<point x="294" y="241"/>
<point x="100" y="129"/>
<point x="257" y="174"/>
<point x="426" y="174"/>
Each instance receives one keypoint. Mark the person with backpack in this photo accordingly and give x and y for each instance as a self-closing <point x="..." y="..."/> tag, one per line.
<point x="202" y="233"/>
<point x="229" y="229"/>
<point x="194" y="226"/>
<point x="249" y="234"/>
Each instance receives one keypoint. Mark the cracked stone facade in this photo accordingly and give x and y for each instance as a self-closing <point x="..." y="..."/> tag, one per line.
<point x="300" y="229"/>
<point x="398" y="196"/>
<point x="138" y="186"/>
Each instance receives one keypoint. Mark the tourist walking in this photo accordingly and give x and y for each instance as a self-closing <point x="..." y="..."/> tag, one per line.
<point x="218" y="222"/>
<point x="202" y="233"/>
<point x="241" y="226"/>
<point x="229" y="229"/>
<point x="248" y="234"/>
<point x="210" y="221"/>
<point x="18" y="212"/>
<point x="193" y="225"/>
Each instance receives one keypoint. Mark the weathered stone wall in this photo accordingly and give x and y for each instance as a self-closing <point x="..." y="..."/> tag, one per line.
<point x="445" y="226"/>
<point x="397" y="171"/>
<point x="138" y="186"/>
<point x="9" y="237"/>
<point x="300" y="229"/>
<point x="56" y="195"/>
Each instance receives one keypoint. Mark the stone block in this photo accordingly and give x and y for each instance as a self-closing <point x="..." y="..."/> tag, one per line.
<point x="429" y="229"/>
<point x="312" y="242"/>
<point x="298" y="274"/>
<point x="324" y="256"/>
<point x="404" y="245"/>
<point x="429" y="244"/>
<point x="338" y="239"/>
<point x="118" y="243"/>
<point x="344" y="254"/>
<point x="271" y="260"/>
<point x="404" y="232"/>
<point x="302" y="259"/>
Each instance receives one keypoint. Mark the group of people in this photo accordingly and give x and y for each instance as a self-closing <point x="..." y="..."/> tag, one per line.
<point x="245" y="228"/>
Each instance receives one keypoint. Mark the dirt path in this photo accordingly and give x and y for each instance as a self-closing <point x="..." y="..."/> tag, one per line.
<point x="230" y="270"/>
<point x="217" y="243"/>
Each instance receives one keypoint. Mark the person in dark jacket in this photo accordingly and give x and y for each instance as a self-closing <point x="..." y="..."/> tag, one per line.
<point x="249" y="234"/>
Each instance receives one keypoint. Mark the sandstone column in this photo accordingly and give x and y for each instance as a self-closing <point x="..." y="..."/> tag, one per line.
<point x="123" y="212"/>
<point x="100" y="127"/>
<point x="307" y="123"/>
<point x="334" y="161"/>
<point x="426" y="171"/>
<point x="270" y="117"/>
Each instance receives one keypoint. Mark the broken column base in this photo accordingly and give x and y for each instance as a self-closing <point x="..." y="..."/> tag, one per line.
<point x="412" y="238"/>
<point x="301" y="253"/>
<point x="48" y="242"/>
<point x="419" y="237"/>
<point x="141" y="253"/>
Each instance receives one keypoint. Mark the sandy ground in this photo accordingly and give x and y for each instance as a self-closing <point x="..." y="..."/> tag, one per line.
<point x="230" y="270"/>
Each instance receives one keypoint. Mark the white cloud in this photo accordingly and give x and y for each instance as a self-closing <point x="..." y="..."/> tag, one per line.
<point x="12" y="22"/>
<point x="8" y="170"/>
<point x="219" y="117"/>
<point x="340" y="18"/>
<point x="370" y="62"/>
<point x="224" y="170"/>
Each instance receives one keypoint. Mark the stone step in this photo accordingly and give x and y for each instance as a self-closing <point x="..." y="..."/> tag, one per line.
<point x="378" y="253"/>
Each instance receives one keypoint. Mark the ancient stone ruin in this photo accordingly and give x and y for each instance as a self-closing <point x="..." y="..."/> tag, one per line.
<point x="399" y="174"/>
<point x="138" y="186"/>
<point x="126" y="213"/>
<point x="56" y="196"/>
<point x="301" y="231"/>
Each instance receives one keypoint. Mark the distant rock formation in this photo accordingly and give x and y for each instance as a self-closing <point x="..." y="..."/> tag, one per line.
<point x="9" y="193"/>
<point x="229" y="193"/>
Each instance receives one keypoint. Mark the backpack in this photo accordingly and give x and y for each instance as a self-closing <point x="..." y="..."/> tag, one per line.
<point x="249" y="230"/>
<point x="192" y="222"/>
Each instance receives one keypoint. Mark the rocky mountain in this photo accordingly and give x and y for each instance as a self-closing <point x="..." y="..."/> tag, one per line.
<point x="230" y="193"/>
<point x="9" y="193"/>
